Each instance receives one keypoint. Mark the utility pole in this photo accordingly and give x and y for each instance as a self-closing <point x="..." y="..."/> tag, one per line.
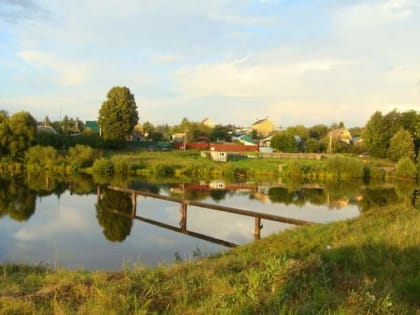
<point x="185" y="138"/>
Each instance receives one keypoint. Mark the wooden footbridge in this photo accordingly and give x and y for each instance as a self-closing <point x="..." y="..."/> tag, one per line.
<point x="184" y="204"/>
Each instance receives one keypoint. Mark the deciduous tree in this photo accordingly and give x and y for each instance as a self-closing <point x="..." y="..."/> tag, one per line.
<point x="401" y="145"/>
<point x="284" y="141"/>
<point x="118" y="114"/>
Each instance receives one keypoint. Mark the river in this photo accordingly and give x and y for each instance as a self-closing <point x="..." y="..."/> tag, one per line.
<point x="78" y="224"/>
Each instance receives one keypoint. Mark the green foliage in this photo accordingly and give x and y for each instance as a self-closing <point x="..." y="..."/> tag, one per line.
<point x="345" y="167"/>
<point x="39" y="158"/>
<point x="284" y="142"/>
<point x="103" y="166"/>
<point x="318" y="131"/>
<point x="118" y="114"/>
<point x="221" y="132"/>
<point x="17" y="134"/>
<point x="312" y="145"/>
<point x="418" y="167"/>
<point x="380" y="129"/>
<point x="80" y="156"/>
<point x="121" y="165"/>
<point x="378" y="132"/>
<point x="401" y="145"/>
<point x="61" y="141"/>
<point x="406" y="168"/>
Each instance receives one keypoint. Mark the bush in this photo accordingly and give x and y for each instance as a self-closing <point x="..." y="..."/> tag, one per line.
<point x="342" y="167"/>
<point x="121" y="165"/>
<point x="38" y="157"/>
<point x="405" y="168"/>
<point x="81" y="156"/>
<point x="103" y="167"/>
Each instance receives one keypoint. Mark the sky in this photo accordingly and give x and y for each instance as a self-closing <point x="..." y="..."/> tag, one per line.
<point x="234" y="61"/>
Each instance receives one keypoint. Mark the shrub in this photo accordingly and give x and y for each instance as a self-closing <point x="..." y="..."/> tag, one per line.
<point x="81" y="156"/>
<point x="38" y="157"/>
<point x="103" y="167"/>
<point x="405" y="168"/>
<point x="345" y="167"/>
<point x="121" y="165"/>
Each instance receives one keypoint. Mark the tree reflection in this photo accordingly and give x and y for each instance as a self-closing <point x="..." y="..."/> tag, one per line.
<point x="116" y="227"/>
<point x="46" y="185"/>
<point x="378" y="197"/>
<point x="16" y="199"/>
<point x="281" y="195"/>
<point x="218" y="194"/>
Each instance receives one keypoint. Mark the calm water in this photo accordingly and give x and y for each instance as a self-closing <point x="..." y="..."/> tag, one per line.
<point x="70" y="224"/>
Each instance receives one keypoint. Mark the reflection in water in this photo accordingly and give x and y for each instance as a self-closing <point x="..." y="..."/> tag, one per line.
<point x="66" y="225"/>
<point x="115" y="227"/>
<point x="16" y="199"/>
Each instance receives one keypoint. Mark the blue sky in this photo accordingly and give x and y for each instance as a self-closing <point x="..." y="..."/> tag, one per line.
<point x="294" y="61"/>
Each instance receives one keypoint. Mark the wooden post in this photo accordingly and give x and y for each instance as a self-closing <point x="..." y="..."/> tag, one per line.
<point x="257" y="228"/>
<point x="183" y="220"/>
<point x="134" y="203"/>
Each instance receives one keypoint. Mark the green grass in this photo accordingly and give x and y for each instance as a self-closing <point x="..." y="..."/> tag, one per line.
<point x="190" y="163"/>
<point x="367" y="265"/>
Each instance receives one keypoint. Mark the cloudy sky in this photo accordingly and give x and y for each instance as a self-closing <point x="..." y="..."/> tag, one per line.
<point x="295" y="61"/>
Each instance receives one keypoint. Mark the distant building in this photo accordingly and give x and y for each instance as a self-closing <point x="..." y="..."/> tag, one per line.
<point x="93" y="126"/>
<point x="246" y="140"/>
<point x="264" y="127"/>
<point x="46" y="129"/>
<point x="341" y="134"/>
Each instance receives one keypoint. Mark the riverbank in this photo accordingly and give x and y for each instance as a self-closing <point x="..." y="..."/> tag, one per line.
<point x="367" y="265"/>
<point x="187" y="164"/>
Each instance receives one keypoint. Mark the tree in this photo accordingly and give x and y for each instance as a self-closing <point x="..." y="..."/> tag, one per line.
<point x="318" y="131"/>
<point x="118" y="114"/>
<point x="284" y="141"/>
<point x="299" y="130"/>
<point x="379" y="130"/>
<point x="221" y="132"/>
<point x="22" y="133"/>
<point x="5" y="133"/>
<point x="312" y="145"/>
<point x="401" y="145"/>
<point x="405" y="167"/>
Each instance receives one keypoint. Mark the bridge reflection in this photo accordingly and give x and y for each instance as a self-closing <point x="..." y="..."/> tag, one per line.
<point x="183" y="211"/>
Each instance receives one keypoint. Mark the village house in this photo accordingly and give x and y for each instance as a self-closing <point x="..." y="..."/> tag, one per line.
<point x="341" y="134"/>
<point x="264" y="127"/>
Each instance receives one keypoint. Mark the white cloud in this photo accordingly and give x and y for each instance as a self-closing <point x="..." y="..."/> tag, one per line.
<point x="375" y="13"/>
<point x="238" y="78"/>
<point x="68" y="73"/>
<point x="167" y="59"/>
<point x="68" y="221"/>
<point x="241" y="20"/>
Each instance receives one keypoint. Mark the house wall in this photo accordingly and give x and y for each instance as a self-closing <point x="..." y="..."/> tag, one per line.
<point x="264" y="127"/>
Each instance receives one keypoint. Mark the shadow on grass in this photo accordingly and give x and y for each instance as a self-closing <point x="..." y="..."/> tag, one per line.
<point x="370" y="279"/>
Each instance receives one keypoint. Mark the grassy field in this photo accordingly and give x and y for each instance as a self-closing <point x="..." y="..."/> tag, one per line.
<point x="367" y="265"/>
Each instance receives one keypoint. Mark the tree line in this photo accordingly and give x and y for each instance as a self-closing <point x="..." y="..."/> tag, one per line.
<point x="393" y="135"/>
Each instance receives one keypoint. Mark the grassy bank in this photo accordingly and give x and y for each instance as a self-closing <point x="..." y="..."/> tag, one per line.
<point x="191" y="164"/>
<point x="368" y="265"/>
